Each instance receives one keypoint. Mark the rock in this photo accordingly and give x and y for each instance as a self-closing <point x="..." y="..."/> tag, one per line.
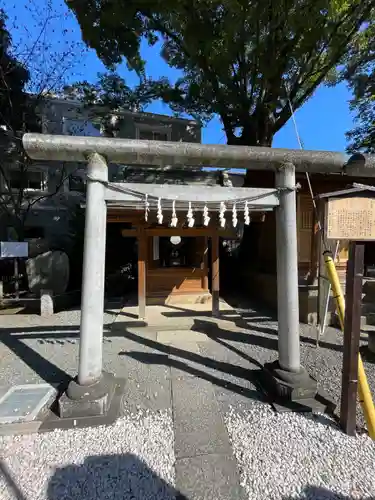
<point x="50" y="271"/>
<point x="38" y="246"/>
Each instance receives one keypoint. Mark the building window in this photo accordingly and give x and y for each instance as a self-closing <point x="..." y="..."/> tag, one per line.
<point x="80" y="127"/>
<point x="150" y="133"/>
<point x="77" y="181"/>
<point x="27" y="179"/>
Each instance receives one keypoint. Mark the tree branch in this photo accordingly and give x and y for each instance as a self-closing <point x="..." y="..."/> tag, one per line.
<point x="63" y="178"/>
<point x="285" y="114"/>
<point x="200" y="59"/>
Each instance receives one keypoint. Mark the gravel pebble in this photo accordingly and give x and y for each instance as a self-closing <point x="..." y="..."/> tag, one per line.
<point x="295" y="456"/>
<point x="323" y="363"/>
<point x="131" y="460"/>
<point x="71" y="317"/>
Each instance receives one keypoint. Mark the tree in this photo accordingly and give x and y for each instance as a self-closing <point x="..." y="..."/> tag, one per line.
<point x="31" y="71"/>
<point x="16" y="113"/>
<point x="359" y="72"/>
<point x="13" y="79"/>
<point x="239" y="59"/>
<point x="104" y="100"/>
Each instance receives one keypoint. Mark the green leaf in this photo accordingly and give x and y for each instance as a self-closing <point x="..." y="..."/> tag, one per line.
<point x="236" y="57"/>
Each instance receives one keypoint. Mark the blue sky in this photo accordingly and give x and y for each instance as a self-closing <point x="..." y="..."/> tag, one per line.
<point x="322" y="121"/>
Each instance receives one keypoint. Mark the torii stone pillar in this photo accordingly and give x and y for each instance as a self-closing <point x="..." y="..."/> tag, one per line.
<point x="91" y="392"/>
<point x="288" y="379"/>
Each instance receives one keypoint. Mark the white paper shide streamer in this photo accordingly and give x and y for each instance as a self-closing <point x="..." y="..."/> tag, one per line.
<point x="147" y="207"/>
<point x="159" y="214"/>
<point x="223" y="209"/>
<point x="190" y="213"/>
<point x="246" y="214"/>
<point x="206" y="217"/>
<point x="190" y="216"/>
<point x="234" y="215"/>
<point x="174" y="219"/>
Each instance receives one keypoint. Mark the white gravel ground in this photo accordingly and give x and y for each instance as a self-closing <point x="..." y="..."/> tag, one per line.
<point x="132" y="460"/>
<point x="294" y="456"/>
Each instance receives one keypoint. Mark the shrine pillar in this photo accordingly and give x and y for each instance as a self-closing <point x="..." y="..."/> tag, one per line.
<point x="215" y="270"/>
<point x="90" y="393"/>
<point x="287" y="379"/>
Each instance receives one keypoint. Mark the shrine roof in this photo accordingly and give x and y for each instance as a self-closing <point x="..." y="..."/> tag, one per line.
<point x="354" y="189"/>
<point x="177" y="176"/>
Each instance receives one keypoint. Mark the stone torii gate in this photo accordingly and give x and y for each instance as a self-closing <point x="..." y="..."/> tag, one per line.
<point x="90" y="393"/>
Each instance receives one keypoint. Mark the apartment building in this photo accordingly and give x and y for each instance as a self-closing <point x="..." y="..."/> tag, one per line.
<point x="60" y="187"/>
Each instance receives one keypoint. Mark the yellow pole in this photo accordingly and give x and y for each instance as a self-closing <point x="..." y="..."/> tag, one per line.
<point x="364" y="392"/>
<point x="365" y="398"/>
<point x="336" y="286"/>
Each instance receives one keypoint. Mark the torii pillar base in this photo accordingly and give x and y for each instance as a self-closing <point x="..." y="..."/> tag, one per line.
<point x="292" y="386"/>
<point x="293" y="391"/>
<point x="88" y="400"/>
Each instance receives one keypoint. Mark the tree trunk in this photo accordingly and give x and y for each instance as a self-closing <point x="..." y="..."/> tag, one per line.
<point x="19" y="227"/>
<point x="251" y="174"/>
<point x="257" y="130"/>
<point x="248" y="252"/>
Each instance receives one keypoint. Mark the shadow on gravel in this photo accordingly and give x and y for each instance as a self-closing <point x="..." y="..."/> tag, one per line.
<point x="318" y="493"/>
<point x="250" y="337"/>
<point x="10" y="482"/>
<point x="167" y="356"/>
<point x="251" y="321"/>
<point x="228" y="376"/>
<point x="16" y="340"/>
<point x="115" y="477"/>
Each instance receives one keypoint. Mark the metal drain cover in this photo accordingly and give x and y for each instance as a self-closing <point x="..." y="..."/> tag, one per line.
<point x="22" y="403"/>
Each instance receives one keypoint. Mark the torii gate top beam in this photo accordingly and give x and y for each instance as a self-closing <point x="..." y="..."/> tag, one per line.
<point x="136" y="152"/>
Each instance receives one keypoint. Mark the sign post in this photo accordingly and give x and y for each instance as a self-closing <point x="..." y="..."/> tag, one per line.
<point x="352" y="333"/>
<point x="14" y="250"/>
<point x="350" y="216"/>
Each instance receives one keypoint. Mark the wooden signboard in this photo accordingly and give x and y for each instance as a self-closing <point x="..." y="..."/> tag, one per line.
<point x="13" y="249"/>
<point x="350" y="218"/>
<point x="350" y="215"/>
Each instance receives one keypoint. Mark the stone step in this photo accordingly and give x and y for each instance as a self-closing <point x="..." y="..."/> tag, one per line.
<point x="365" y="322"/>
<point x="370" y="318"/>
<point x="370" y="330"/>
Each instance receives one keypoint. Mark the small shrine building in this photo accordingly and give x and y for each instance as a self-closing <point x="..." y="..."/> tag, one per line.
<point x="177" y="226"/>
